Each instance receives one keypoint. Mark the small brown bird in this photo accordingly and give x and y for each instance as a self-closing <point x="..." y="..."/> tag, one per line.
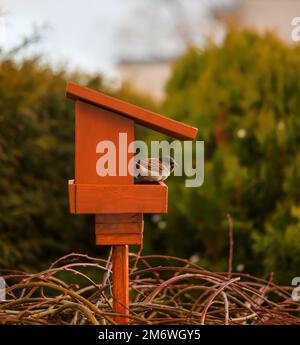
<point x="154" y="169"/>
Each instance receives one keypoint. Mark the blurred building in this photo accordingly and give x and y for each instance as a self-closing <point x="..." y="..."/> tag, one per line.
<point x="147" y="76"/>
<point x="150" y="75"/>
<point x="261" y="15"/>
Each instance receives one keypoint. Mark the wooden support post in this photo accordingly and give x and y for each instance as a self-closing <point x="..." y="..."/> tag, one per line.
<point x="120" y="282"/>
<point x="119" y="231"/>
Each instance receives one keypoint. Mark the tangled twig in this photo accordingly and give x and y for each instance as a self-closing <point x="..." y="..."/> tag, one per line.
<point x="76" y="290"/>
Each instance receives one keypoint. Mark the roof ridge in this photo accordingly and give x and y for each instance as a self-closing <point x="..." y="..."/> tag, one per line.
<point x="140" y="115"/>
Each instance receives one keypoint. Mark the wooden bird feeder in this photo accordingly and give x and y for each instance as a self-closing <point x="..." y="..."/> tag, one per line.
<point x="117" y="202"/>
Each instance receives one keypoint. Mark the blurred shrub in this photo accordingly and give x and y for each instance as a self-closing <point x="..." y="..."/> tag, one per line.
<point x="36" y="161"/>
<point x="243" y="95"/>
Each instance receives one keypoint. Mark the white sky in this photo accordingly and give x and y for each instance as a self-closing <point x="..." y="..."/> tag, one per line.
<point x="78" y="33"/>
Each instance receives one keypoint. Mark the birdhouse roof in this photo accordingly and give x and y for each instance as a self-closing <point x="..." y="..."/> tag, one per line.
<point x="140" y="115"/>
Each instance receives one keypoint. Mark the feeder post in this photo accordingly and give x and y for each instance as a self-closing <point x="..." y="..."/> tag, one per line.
<point x="119" y="231"/>
<point x="120" y="282"/>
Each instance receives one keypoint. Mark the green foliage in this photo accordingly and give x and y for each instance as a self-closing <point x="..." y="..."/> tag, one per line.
<point x="36" y="161"/>
<point x="244" y="97"/>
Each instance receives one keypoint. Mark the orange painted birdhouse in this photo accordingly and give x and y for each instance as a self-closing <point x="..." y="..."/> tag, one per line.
<point x="100" y="118"/>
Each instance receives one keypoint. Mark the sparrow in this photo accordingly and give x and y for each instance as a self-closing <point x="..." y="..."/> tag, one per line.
<point x="154" y="169"/>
